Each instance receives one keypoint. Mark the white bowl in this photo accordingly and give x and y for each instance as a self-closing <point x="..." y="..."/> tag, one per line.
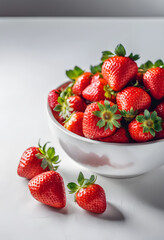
<point x="117" y="160"/>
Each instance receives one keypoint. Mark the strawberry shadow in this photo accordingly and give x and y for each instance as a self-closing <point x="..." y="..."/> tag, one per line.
<point x="112" y="213"/>
<point x="67" y="210"/>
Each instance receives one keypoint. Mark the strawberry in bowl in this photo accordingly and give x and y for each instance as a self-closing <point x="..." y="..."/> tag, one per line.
<point x="110" y="119"/>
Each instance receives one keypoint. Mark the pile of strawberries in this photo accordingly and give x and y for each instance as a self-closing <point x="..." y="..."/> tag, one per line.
<point x="46" y="185"/>
<point x="116" y="102"/>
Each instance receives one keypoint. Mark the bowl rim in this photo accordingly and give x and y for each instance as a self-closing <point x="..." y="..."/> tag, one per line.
<point x="59" y="126"/>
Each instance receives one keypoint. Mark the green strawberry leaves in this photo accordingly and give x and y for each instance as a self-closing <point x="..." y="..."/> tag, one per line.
<point x="49" y="159"/>
<point x="106" y="55"/>
<point x="64" y="106"/>
<point x="128" y="115"/>
<point x="109" y="92"/>
<point x="107" y="116"/>
<point x="74" y="73"/>
<point x="83" y="183"/>
<point x="150" y="122"/>
<point x="134" y="57"/>
<point x="95" y="69"/>
<point x="149" y="64"/>
<point x="119" y="51"/>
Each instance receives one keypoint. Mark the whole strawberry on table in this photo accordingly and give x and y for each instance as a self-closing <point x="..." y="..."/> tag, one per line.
<point x="116" y="101"/>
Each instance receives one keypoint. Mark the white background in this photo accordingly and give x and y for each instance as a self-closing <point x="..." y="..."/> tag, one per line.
<point x="34" y="55"/>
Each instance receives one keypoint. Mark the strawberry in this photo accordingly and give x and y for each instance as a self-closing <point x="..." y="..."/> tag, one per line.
<point x="132" y="100"/>
<point x="36" y="160"/>
<point x="153" y="80"/>
<point x="53" y="97"/>
<point x="98" y="90"/>
<point x="145" y="126"/>
<point x="100" y="119"/>
<point x="119" y="70"/>
<point x="96" y="71"/>
<point x="74" y="123"/>
<point x="88" y="195"/>
<point x="80" y="78"/>
<point x="160" y="110"/>
<point x="48" y="188"/>
<point x="120" y="136"/>
<point x="160" y="135"/>
<point x="69" y="105"/>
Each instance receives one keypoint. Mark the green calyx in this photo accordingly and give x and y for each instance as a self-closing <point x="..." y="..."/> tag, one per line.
<point x="64" y="106"/>
<point x="74" y="73"/>
<point x="109" y="92"/>
<point x="83" y="183"/>
<point x="150" y="122"/>
<point x="128" y="115"/>
<point x="107" y="116"/>
<point x="49" y="159"/>
<point x="119" y="51"/>
<point x="95" y="69"/>
<point x="149" y="64"/>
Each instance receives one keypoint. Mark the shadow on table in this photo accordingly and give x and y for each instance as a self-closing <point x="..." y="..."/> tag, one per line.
<point x="148" y="188"/>
<point x="112" y="213"/>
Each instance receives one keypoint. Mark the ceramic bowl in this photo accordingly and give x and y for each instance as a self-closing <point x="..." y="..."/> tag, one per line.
<point x="117" y="160"/>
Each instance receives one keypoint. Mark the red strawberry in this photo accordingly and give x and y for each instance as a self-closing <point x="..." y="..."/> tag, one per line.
<point x="145" y="126"/>
<point x="74" y="123"/>
<point x="53" y="97"/>
<point x="120" y="136"/>
<point x="96" y="77"/>
<point x="36" y="160"/>
<point x="70" y="105"/>
<point x="100" y="119"/>
<point x="153" y="80"/>
<point x="160" y="135"/>
<point x="88" y="195"/>
<point x="160" y="110"/>
<point x="81" y="79"/>
<point x="119" y="70"/>
<point x="98" y="90"/>
<point x="48" y="188"/>
<point x="132" y="100"/>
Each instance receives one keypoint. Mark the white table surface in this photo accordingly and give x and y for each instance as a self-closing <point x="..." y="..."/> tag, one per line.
<point x="34" y="54"/>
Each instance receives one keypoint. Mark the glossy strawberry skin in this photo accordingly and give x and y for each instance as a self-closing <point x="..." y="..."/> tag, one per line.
<point x="118" y="71"/>
<point x="58" y="117"/>
<point x="92" y="198"/>
<point x="29" y="165"/>
<point x="53" y="97"/>
<point x="77" y="103"/>
<point x="81" y="83"/>
<point x="153" y="80"/>
<point x="74" y="124"/>
<point x="160" y="135"/>
<point x="120" y="136"/>
<point x="136" y="132"/>
<point x="95" y="91"/>
<point x="48" y="188"/>
<point x="160" y="110"/>
<point x="133" y="97"/>
<point x="90" y="128"/>
<point x="96" y="77"/>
